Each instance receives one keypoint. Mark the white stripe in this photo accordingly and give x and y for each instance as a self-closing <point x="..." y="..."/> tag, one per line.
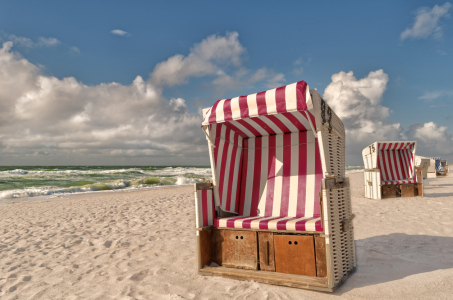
<point x="310" y="178"/>
<point x="263" y="175"/>
<point x="242" y="128"/>
<point x="393" y="165"/>
<point x="249" y="183"/>
<point x="272" y="225"/>
<point x="291" y="225"/>
<point x="302" y="119"/>
<point x="271" y="124"/>
<point x="234" y="190"/>
<point x="311" y="225"/>
<point x="257" y="127"/>
<point x="251" y="103"/>
<point x="287" y="123"/>
<point x="388" y="166"/>
<point x="398" y="165"/>
<point x="206" y="118"/>
<point x="235" y="109"/>
<point x="218" y="164"/>
<point x="270" y="102"/>
<point x="291" y="97"/>
<point x="294" y="178"/>
<point x="209" y="205"/>
<point x="219" y="113"/>
<point x="238" y="223"/>
<point x="197" y="208"/>
<point x="227" y="170"/>
<point x="255" y="224"/>
<point x="278" y="175"/>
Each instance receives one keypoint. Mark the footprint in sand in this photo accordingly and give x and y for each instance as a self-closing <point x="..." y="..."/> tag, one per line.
<point x="26" y="278"/>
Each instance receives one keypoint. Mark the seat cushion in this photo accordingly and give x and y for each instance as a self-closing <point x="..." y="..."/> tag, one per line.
<point x="272" y="223"/>
<point x="398" y="182"/>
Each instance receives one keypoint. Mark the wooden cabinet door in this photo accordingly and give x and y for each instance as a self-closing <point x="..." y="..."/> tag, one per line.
<point x="295" y="254"/>
<point x="237" y="249"/>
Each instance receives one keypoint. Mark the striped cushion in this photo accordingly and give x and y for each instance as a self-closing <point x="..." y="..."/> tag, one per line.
<point x="272" y="223"/>
<point x="205" y="208"/>
<point x="397" y="182"/>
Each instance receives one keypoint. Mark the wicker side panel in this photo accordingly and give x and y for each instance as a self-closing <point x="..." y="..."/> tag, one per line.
<point x="340" y="244"/>
<point x="334" y="152"/>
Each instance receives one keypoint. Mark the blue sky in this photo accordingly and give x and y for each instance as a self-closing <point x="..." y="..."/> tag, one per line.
<point x="299" y="40"/>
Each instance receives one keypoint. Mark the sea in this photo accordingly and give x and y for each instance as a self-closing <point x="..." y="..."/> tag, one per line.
<point x="31" y="181"/>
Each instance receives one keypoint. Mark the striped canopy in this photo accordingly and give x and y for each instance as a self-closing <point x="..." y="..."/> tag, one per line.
<point x="282" y="110"/>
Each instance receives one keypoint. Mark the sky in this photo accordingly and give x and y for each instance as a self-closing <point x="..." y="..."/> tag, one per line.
<point x="124" y="82"/>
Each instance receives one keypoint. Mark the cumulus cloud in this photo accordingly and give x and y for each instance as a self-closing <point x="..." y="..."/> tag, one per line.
<point x="72" y="122"/>
<point x="119" y="32"/>
<point x="426" y="22"/>
<point x="433" y="140"/>
<point x="358" y="103"/>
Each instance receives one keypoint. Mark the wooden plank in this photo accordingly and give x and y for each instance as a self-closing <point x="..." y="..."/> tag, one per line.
<point x="407" y="190"/>
<point x="419" y="189"/>
<point x="217" y="246"/>
<point x="240" y="249"/>
<point x="290" y="280"/>
<point x="266" y="251"/>
<point x="321" y="256"/>
<point x="295" y="254"/>
<point x="204" y="248"/>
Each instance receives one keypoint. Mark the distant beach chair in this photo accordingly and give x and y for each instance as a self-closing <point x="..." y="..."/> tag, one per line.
<point x="432" y="173"/>
<point x="423" y="163"/>
<point x="441" y="166"/>
<point x="279" y="208"/>
<point x="390" y="171"/>
<point x="444" y="165"/>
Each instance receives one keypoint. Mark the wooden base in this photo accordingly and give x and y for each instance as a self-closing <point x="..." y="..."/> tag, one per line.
<point x="402" y="190"/>
<point x="289" y="280"/>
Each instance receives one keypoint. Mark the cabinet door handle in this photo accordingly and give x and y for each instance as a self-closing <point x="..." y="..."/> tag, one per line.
<point x="266" y="255"/>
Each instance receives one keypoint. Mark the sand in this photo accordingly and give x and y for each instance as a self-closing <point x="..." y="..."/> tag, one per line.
<point x="141" y="245"/>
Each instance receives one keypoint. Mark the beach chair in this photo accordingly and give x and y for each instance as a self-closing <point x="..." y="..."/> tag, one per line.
<point x="441" y="169"/>
<point x="444" y="164"/>
<point x="390" y="172"/>
<point x="423" y="163"/>
<point x="432" y="173"/>
<point x="278" y="210"/>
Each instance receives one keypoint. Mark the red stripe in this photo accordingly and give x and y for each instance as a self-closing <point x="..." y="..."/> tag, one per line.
<point x="212" y="117"/>
<point x="300" y="225"/>
<point x="263" y="125"/>
<point x="402" y="164"/>
<point x="270" y="177"/>
<point x="284" y="206"/>
<point x="396" y="165"/>
<point x="318" y="179"/>
<point x="243" y="106"/>
<point x="234" y="128"/>
<point x="204" y="206"/>
<point x="239" y="188"/>
<point x="223" y="166"/>
<point x="279" y="123"/>
<point x="218" y="133"/>
<point x="261" y="103"/>
<point x="280" y="99"/>
<point x="245" y="155"/>
<point x="295" y="121"/>
<point x="301" y="87"/>
<point x="231" y="175"/>
<point x="228" y="115"/>
<point x="256" y="177"/>
<point x="265" y="223"/>
<point x="249" y="127"/>
<point x="302" y="176"/>
<point x="379" y="161"/>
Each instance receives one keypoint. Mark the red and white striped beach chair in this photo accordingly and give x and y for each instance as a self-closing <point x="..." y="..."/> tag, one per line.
<point x="278" y="210"/>
<point x="390" y="170"/>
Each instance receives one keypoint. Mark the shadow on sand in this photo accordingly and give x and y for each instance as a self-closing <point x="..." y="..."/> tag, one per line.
<point x="395" y="256"/>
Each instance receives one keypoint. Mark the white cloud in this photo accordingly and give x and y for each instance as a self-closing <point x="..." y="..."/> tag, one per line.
<point x="358" y="103"/>
<point x="109" y="123"/>
<point x="28" y="43"/>
<point x="74" y="50"/>
<point x="119" y="32"/>
<point x="436" y="94"/>
<point x="426" y="22"/>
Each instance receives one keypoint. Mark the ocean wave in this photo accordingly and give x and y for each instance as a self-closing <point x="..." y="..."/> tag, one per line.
<point x="84" y="187"/>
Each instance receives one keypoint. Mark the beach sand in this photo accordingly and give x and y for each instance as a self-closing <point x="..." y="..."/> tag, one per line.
<point x="141" y="245"/>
